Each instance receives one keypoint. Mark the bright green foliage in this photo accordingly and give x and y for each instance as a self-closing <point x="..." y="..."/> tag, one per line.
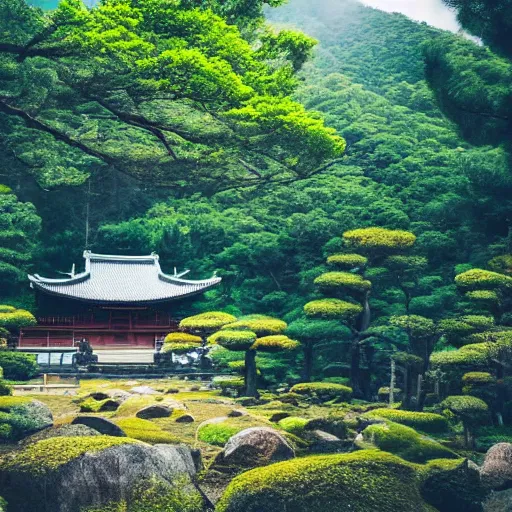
<point x="335" y="280"/>
<point x="487" y="297"/>
<point x="365" y="480"/>
<point x="424" y="421"/>
<point x="226" y="383"/>
<point x="332" y="309"/>
<point x="405" y="442"/>
<point x="324" y="391"/>
<point x="469" y="409"/>
<point x="182" y="337"/>
<point x="180" y="348"/>
<point x="501" y="264"/>
<point x="18" y="366"/>
<point x="147" y="431"/>
<point x="207" y="321"/>
<point x="259" y="324"/>
<point x="233" y="340"/>
<point x="19" y="232"/>
<point x="456" y="363"/>
<point x="347" y="261"/>
<point x="275" y="343"/>
<point x="217" y="434"/>
<point x="48" y="455"/>
<point x="293" y="425"/>
<point x="416" y="325"/>
<point x="482" y="279"/>
<point x="14" y="320"/>
<point x="478" y="378"/>
<point x="379" y="239"/>
<point x="92" y="405"/>
<point x="458" y="330"/>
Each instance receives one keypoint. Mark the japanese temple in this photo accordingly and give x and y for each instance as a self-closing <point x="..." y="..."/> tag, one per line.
<point x="116" y="302"/>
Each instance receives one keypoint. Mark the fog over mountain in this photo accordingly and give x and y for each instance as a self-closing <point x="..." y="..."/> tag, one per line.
<point x="434" y="12"/>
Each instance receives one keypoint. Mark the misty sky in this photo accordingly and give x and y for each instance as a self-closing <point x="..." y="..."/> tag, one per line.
<point x="434" y="12"/>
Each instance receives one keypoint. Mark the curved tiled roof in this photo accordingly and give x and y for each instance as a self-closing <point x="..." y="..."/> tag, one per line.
<point x="122" y="279"/>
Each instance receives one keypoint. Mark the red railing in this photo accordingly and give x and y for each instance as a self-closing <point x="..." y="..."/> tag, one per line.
<point x="113" y="322"/>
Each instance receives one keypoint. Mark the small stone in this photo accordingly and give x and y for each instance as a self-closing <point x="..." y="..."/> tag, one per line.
<point x="185" y="418"/>
<point x="323" y="442"/>
<point x="154" y="411"/>
<point x="278" y="416"/>
<point x="235" y="413"/>
<point x="143" y="390"/>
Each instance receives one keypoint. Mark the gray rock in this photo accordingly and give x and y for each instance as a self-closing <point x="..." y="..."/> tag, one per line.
<point x="118" y="394"/>
<point x="235" y="413"/>
<point x="257" y="446"/>
<point x="98" y="478"/>
<point x="498" y="501"/>
<point x="154" y="411"/>
<point x="496" y="471"/>
<point x="323" y="442"/>
<point x="278" y="416"/>
<point x="102" y="425"/>
<point x="39" y="414"/>
<point x="61" y="431"/>
<point x="185" y="418"/>
<point x="144" y="390"/>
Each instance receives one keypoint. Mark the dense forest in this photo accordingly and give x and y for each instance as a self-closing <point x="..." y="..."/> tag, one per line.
<point x="345" y="171"/>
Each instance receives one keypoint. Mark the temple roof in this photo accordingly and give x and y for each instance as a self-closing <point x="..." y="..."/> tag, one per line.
<point x="122" y="279"/>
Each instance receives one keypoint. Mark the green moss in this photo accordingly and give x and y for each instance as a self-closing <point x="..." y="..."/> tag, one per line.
<point x="217" y="433"/>
<point x="363" y="481"/>
<point x="47" y="455"/>
<point x="324" y="391"/>
<point x="92" y="405"/>
<point x="8" y="402"/>
<point x="405" y="442"/>
<point x="229" y="383"/>
<point x="332" y="309"/>
<point x="343" y="280"/>
<point x="182" y="337"/>
<point x="147" y="431"/>
<point x="293" y="425"/>
<point x="425" y="421"/>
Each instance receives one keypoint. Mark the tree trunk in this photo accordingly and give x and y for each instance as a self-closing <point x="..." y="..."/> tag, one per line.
<point x="355" y="356"/>
<point x="250" y="373"/>
<point x="308" y="361"/>
<point x="392" y="384"/>
<point x="406" y="402"/>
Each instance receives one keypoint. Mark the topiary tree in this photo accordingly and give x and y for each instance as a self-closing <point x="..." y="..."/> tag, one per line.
<point x="12" y="320"/>
<point x="472" y="411"/>
<point x="251" y="334"/>
<point x="349" y="288"/>
<point x="195" y="331"/>
<point x="312" y="332"/>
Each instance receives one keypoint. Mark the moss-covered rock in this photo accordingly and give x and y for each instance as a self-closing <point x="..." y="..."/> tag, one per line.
<point x="294" y="425"/>
<point x="405" y="442"/>
<point x="365" y="481"/>
<point x="147" y="431"/>
<point x="92" y="405"/>
<point x="22" y="416"/>
<point x="323" y="391"/>
<point x="424" y="421"/>
<point x="69" y="474"/>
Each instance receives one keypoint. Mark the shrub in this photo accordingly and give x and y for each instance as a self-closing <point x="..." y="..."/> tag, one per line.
<point x="405" y="442"/>
<point x="5" y="389"/>
<point x="469" y="409"/>
<point x="92" y="405"/>
<point x="18" y="366"/>
<point x="147" y="431"/>
<point x="182" y="337"/>
<point x="16" y="319"/>
<point x="259" y="324"/>
<point x="478" y="378"/>
<point x="332" y="309"/>
<point x="7" y="309"/>
<point x="343" y="279"/>
<point x="180" y="348"/>
<point x="293" y="425"/>
<point x="425" y="421"/>
<point x="217" y="434"/>
<point x="482" y="279"/>
<point x="226" y="383"/>
<point x="379" y="238"/>
<point x="207" y="321"/>
<point x="383" y="393"/>
<point x="363" y="481"/>
<point x="233" y="340"/>
<point x="47" y="455"/>
<point x="324" y="391"/>
<point x="276" y="343"/>
<point x="347" y="261"/>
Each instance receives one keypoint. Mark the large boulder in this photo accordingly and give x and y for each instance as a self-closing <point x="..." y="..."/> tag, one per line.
<point x="102" y="425"/>
<point x="499" y="501"/>
<point x="22" y="416"/>
<point x="65" y="430"/>
<point x="496" y="471"/>
<point x="363" y="481"/>
<point x="143" y="390"/>
<point x="252" y="447"/>
<point x="154" y="411"/>
<point x="69" y="474"/>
